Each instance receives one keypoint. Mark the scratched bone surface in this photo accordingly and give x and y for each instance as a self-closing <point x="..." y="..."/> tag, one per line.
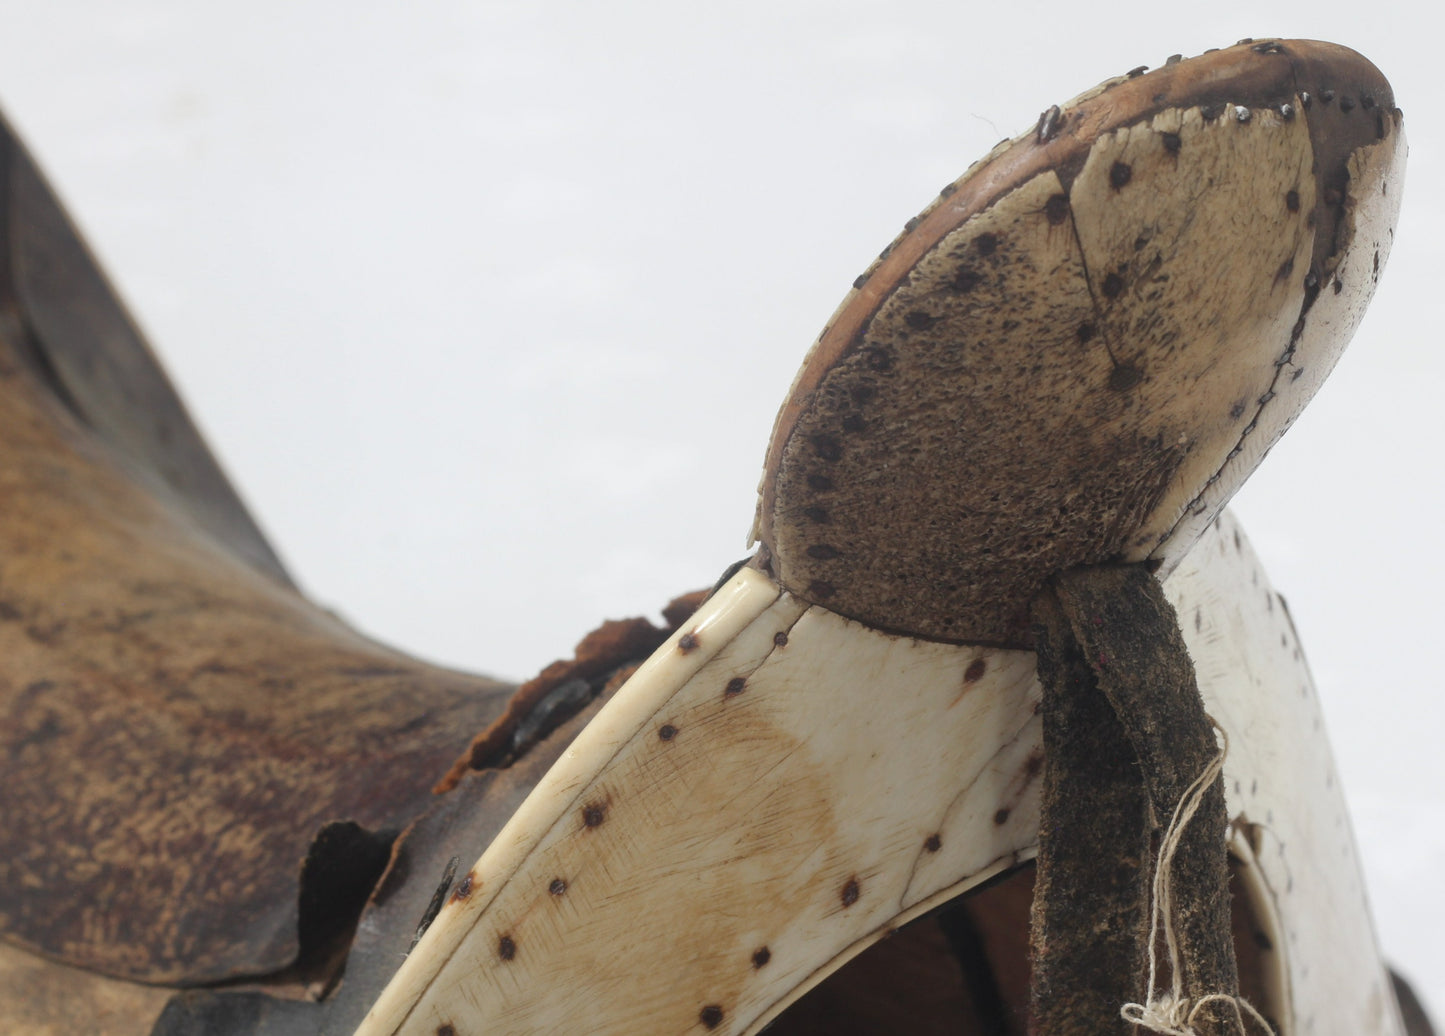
<point x="554" y="169"/>
<point x="752" y="778"/>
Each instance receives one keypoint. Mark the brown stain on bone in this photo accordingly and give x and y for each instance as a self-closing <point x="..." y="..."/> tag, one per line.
<point x="792" y="819"/>
<point x="594" y="814"/>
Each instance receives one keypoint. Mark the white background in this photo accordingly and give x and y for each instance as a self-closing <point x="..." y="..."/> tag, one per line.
<point x="488" y="307"/>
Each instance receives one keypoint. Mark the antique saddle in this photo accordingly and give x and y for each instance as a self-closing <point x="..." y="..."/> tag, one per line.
<point x="997" y="616"/>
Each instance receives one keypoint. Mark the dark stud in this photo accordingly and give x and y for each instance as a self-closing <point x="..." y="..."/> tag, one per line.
<point x="966" y="280"/>
<point x="1172" y="142"/>
<point x="933" y="843"/>
<point x="593" y="814"/>
<point x="506" y="947"/>
<point x="975" y="671"/>
<point x="919" y="320"/>
<point x="1125" y="377"/>
<point x="816" y="514"/>
<point x="1120" y="173"/>
<point x="558" y="887"/>
<point x="687" y="643"/>
<point x="1001" y="817"/>
<point x="735" y="686"/>
<point x="761" y="956"/>
<point x="780" y="639"/>
<point x="820" y="483"/>
<point x="821" y="589"/>
<point x="878" y="359"/>
<point x="1056" y="209"/>
<point x="859" y="281"/>
<point x="849" y="895"/>
<point x="826" y="447"/>
<point x="667" y="732"/>
<point x="1291" y="201"/>
<point x="711" y="1016"/>
<point x="987" y="244"/>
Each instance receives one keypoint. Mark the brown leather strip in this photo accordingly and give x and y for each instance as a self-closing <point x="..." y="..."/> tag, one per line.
<point x="1124" y="728"/>
<point x="598" y="654"/>
<point x="1091" y="884"/>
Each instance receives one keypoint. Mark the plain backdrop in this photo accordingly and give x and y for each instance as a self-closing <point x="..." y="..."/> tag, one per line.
<point x="488" y="307"/>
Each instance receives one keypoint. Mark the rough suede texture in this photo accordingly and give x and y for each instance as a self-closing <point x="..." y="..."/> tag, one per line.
<point x="1124" y="727"/>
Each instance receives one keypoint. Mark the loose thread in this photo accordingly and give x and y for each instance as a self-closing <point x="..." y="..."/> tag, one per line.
<point x="1170" y="1012"/>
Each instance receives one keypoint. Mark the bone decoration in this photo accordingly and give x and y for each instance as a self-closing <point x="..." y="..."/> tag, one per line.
<point x="750" y="812"/>
<point x="1079" y="352"/>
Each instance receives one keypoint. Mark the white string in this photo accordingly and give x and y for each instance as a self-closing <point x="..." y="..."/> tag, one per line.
<point x="1170" y="1012"/>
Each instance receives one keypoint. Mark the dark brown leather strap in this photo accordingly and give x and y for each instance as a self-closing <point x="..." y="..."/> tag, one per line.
<point x="1125" y="736"/>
